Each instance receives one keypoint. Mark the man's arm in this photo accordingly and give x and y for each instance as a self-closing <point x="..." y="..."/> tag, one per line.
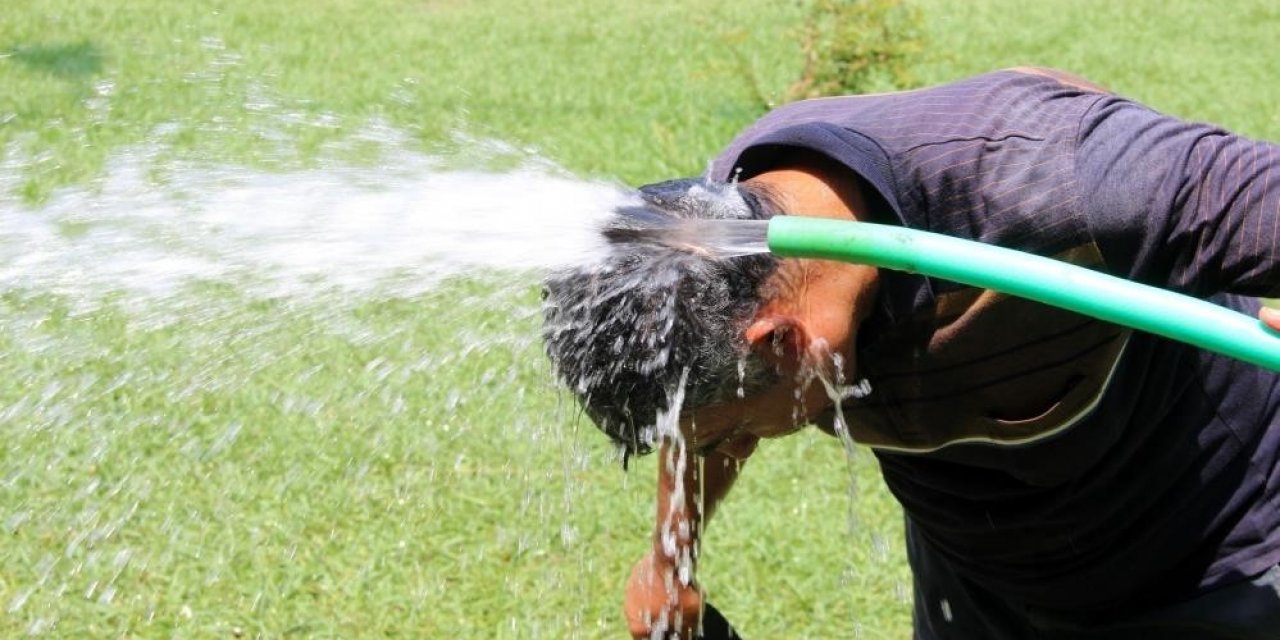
<point x="662" y="593"/>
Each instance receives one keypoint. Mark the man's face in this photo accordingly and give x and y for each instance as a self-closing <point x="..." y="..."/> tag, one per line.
<point x="806" y="332"/>
<point x="807" y="326"/>
<point x="732" y="427"/>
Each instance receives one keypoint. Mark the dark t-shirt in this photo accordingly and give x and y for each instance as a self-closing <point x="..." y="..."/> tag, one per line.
<point x="1062" y="461"/>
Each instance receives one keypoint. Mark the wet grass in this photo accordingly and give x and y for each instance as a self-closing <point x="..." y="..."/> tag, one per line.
<point x="260" y="468"/>
<point x="238" y="467"/>
<point x="274" y="468"/>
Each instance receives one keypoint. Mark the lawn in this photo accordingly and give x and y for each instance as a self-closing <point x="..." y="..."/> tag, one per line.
<point x="224" y="464"/>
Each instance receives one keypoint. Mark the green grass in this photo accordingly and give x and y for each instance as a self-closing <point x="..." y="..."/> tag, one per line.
<point x="606" y="88"/>
<point x="237" y="467"/>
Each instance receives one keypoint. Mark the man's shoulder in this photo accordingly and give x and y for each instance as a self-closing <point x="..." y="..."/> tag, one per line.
<point x="1063" y="78"/>
<point x="988" y="93"/>
<point x="1023" y="102"/>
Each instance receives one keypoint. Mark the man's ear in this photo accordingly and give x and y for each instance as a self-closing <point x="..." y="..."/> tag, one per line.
<point x="781" y="340"/>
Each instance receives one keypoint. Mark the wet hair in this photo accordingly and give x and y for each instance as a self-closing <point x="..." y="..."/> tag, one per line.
<point x="625" y="333"/>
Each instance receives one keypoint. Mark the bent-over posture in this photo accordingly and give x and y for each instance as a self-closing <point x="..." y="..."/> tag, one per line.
<point x="1061" y="477"/>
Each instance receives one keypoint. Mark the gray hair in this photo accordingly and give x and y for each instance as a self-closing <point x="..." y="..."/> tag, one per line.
<point x="625" y="333"/>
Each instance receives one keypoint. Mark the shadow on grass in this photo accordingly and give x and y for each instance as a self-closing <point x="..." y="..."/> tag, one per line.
<point x="74" y="61"/>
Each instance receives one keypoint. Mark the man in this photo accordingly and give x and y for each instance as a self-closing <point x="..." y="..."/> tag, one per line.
<point x="1061" y="477"/>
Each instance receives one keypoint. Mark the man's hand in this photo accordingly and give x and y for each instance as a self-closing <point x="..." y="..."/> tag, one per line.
<point x="659" y="606"/>
<point x="1271" y="318"/>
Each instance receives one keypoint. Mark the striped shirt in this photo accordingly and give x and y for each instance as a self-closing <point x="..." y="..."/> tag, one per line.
<point x="1063" y="461"/>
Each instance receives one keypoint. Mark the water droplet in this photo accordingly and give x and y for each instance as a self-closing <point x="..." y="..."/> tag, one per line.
<point x="20" y="600"/>
<point x="39" y="626"/>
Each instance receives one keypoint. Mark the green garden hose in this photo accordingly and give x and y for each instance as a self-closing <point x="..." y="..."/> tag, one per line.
<point x="1053" y="282"/>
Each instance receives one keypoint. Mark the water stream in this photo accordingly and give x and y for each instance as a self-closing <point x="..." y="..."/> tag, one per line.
<point x="234" y="397"/>
<point x="238" y="396"/>
<point x="399" y="230"/>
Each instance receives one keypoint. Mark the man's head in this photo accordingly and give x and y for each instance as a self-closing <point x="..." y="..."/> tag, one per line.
<point x="732" y="344"/>
<point x="651" y="324"/>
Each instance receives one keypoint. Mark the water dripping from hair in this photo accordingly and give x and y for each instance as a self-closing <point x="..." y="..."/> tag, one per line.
<point x="838" y="390"/>
<point x="667" y="429"/>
